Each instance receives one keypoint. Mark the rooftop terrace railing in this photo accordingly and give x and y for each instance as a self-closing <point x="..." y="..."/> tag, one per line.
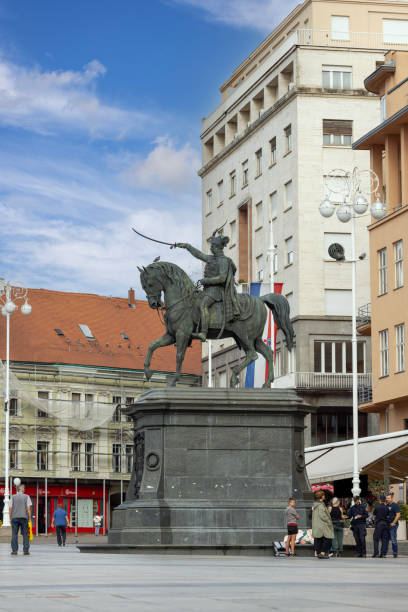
<point x="360" y="40"/>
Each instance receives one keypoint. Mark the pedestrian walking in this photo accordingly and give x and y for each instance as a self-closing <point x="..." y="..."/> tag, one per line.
<point x="381" y="531"/>
<point x="61" y="521"/>
<point x="337" y="516"/>
<point x="322" y="527"/>
<point x="292" y="518"/>
<point x="394" y="515"/>
<point x="358" y="515"/>
<point x="20" y="514"/>
<point x="97" y="521"/>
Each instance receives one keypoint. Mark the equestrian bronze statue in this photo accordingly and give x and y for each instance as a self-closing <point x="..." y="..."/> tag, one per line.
<point x="216" y="311"/>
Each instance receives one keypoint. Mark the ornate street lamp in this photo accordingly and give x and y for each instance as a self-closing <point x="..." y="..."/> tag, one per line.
<point x="350" y="187"/>
<point x="8" y="296"/>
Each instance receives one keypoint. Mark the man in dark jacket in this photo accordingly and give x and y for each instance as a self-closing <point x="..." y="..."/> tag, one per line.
<point x="381" y="531"/>
<point x="358" y="515"/>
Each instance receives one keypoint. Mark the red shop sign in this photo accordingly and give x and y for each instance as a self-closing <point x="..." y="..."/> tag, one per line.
<point x="92" y="491"/>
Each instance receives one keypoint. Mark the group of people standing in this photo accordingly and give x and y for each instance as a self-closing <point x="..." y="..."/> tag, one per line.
<point x="328" y="522"/>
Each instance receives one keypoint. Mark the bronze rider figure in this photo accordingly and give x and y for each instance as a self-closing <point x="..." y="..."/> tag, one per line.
<point x="218" y="282"/>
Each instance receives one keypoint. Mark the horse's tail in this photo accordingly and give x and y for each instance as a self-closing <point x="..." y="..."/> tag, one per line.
<point x="280" y="309"/>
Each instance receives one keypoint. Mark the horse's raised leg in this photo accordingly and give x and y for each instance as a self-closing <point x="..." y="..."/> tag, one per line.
<point x="165" y="340"/>
<point x="266" y="352"/>
<point x="181" y="342"/>
<point x="250" y="356"/>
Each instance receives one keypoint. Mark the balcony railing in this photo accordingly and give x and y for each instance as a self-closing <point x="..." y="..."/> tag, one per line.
<point x="365" y="394"/>
<point x="361" y="40"/>
<point x="364" y="315"/>
<point x="324" y="381"/>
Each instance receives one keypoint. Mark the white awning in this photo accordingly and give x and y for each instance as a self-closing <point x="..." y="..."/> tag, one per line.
<point x="376" y="455"/>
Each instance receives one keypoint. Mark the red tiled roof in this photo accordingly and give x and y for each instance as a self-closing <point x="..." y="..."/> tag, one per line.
<point x="33" y="338"/>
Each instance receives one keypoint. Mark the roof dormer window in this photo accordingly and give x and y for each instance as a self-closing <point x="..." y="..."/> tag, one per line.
<point x="86" y="331"/>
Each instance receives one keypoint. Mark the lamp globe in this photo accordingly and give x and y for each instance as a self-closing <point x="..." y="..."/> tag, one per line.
<point x="26" y="308"/>
<point x="344" y="213"/>
<point x="378" y="209"/>
<point x="326" y="208"/>
<point x="360" y="204"/>
<point x="10" y="307"/>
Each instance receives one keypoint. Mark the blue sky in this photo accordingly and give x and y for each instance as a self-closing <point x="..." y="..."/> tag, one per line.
<point x="100" y="110"/>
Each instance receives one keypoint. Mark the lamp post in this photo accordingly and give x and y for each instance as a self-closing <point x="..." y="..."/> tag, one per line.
<point x="352" y="186"/>
<point x="8" y="296"/>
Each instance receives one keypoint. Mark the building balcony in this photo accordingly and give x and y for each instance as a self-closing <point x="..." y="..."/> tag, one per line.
<point x="365" y="394"/>
<point x="363" y="321"/>
<point x="317" y="381"/>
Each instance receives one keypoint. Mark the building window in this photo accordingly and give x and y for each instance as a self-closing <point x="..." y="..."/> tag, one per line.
<point x="245" y="173"/>
<point x="395" y="31"/>
<point x="335" y="357"/>
<point x="288" y="139"/>
<point x="289" y="297"/>
<point x="76" y="404"/>
<point x="220" y="186"/>
<point x="75" y="456"/>
<point x="209" y="201"/>
<point x="129" y="458"/>
<point x="42" y="455"/>
<point x="43" y="396"/>
<point x="13" y="406"/>
<point x="272" y="145"/>
<point x="274" y="204"/>
<point x="13" y="454"/>
<point x="382" y="272"/>
<point x="129" y="401"/>
<point x="340" y="27"/>
<point x="89" y="457"/>
<point x="116" y="458"/>
<point x="258" y="215"/>
<point x="258" y="162"/>
<point x="336" y="77"/>
<point x="384" y="353"/>
<point x="335" y="426"/>
<point x="259" y="268"/>
<point x="117" y="414"/>
<point x="233" y="232"/>
<point x="400" y="346"/>
<point x="289" y="250"/>
<point x="398" y="264"/>
<point x="233" y="183"/>
<point x="337" y="132"/>
<point x="383" y="108"/>
<point x="275" y="259"/>
<point x="288" y="195"/>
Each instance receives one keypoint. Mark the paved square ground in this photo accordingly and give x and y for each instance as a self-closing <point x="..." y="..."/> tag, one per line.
<point x="62" y="579"/>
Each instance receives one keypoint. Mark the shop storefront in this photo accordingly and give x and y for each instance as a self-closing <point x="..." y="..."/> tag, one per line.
<point x="81" y="502"/>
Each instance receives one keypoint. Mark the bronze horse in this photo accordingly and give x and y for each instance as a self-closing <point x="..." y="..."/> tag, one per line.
<point x="182" y="319"/>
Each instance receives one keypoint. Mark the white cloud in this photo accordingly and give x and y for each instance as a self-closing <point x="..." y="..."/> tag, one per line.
<point x="44" y="102"/>
<point x="262" y="15"/>
<point x="59" y="232"/>
<point x="166" y="168"/>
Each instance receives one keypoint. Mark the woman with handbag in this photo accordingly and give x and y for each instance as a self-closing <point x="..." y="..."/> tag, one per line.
<point x="337" y="517"/>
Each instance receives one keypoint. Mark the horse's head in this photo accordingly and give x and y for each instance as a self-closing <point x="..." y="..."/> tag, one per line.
<point x="152" y="285"/>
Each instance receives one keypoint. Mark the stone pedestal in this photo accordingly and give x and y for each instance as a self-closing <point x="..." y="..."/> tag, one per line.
<point x="213" y="467"/>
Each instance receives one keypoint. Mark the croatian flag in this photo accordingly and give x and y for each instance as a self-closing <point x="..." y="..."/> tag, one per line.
<point x="257" y="371"/>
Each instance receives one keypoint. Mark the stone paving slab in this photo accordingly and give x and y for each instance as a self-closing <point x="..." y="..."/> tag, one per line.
<point x="62" y="578"/>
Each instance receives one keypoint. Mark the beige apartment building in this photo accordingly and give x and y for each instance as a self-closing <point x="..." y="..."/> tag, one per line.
<point x="388" y="320"/>
<point x="74" y="361"/>
<point x="289" y="114"/>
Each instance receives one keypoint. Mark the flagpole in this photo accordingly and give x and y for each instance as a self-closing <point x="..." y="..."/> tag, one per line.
<point x="271" y="250"/>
